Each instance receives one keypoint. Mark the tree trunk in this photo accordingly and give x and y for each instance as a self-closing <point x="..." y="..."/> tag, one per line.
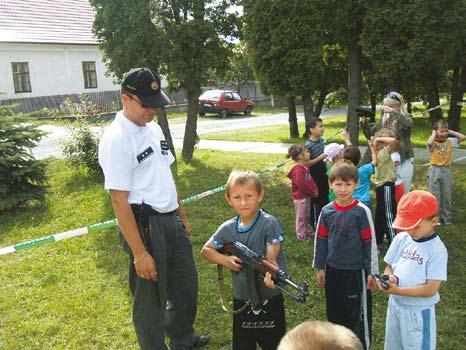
<point x="320" y="102"/>
<point x="373" y="106"/>
<point x="308" y="112"/>
<point x="434" y="99"/>
<point x="457" y="89"/>
<point x="354" y="93"/>
<point x="190" y="131"/>
<point x="294" y="132"/>
<point x="162" y="120"/>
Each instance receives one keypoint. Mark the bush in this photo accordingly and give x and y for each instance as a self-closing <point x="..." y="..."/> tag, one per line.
<point x="81" y="149"/>
<point x="22" y="177"/>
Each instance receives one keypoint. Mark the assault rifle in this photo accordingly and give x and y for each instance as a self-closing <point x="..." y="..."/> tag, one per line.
<point x="365" y="112"/>
<point x="262" y="265"/>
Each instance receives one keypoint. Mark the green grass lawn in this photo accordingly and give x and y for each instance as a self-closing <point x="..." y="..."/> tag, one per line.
<point x="74" y="295"/>
<point x="281" y="133"/>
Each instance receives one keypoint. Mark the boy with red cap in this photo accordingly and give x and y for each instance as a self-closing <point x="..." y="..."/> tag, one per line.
<point x="417" y="264"/>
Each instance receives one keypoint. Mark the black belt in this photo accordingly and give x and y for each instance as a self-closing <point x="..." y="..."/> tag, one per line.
<point x="147" y="210"/>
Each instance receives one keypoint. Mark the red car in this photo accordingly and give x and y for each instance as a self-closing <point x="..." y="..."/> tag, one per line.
<point x="223" y="103"/>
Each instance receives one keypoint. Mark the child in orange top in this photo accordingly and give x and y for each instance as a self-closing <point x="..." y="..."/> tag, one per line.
<point x="303" y="188"/>
<point x="440" y="147"/>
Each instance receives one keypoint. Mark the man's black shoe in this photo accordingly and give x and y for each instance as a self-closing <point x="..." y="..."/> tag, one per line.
<point x="200" y="341"/>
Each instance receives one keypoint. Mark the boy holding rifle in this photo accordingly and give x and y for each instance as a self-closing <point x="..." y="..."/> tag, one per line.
<point x="263" y="321"/>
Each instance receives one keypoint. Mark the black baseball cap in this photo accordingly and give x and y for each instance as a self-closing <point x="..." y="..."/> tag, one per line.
<point x="145" y="85"/>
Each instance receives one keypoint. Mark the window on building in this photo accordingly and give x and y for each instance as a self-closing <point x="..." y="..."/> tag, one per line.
<point x="21" y="78"/>
<point x="90" y="75"/>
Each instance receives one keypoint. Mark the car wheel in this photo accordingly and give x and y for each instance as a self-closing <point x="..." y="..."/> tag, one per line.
<point x="201" y="114"/>
<point x="248" y="110"/>
<point x="224" y="113"/>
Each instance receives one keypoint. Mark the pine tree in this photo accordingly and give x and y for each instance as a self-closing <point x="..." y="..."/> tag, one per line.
<point x="22" y="177"/>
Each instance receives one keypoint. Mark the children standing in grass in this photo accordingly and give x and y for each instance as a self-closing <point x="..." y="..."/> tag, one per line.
<point x="385" y="143"/>
<point x="263" y="322"/>
<point x="303" y="188"/>
<point x="317" y="167"/>
<point x="416" y="266"/>
<point x="345" y="255"/>
<point x="440" y="147"/>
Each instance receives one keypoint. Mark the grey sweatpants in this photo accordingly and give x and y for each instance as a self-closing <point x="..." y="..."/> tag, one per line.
<point x="170" y="304"/>
<point x="440" y="186"/>
<point x="410" y="327"/>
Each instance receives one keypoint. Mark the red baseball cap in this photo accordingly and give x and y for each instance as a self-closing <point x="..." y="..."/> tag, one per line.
<point x="413" y="207"/>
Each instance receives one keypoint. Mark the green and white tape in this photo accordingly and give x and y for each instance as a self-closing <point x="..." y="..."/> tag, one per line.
<point x="59" y="237"/>
<point x="106" y="224"/>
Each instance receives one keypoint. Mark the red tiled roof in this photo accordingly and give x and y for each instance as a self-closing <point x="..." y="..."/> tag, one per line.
<point x="47" y="21"/>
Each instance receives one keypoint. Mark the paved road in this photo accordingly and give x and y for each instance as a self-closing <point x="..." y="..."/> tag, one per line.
<point x="50" y="145"/>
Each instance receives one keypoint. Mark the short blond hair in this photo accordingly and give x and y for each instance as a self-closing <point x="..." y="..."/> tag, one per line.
<point x="240" y="177"/>
<point x="319" y="335"/>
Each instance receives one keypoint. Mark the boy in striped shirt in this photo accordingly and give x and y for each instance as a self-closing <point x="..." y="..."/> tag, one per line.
<point x="345" y="255"/>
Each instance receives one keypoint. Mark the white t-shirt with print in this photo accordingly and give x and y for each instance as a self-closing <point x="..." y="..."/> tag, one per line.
<point x="415" y="262"/>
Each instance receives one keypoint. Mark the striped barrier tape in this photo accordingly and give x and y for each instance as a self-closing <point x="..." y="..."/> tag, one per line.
<point x="107" y="224"/>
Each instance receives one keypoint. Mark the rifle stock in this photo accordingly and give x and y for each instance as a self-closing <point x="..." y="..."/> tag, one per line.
<point x="262" y="265"/>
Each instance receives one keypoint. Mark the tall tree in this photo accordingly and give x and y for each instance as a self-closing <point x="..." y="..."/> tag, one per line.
<point x="186" y="40"/>
<point x="410" y="44"/>
<point x="345" y="22"/>
<point x="128" y="39"/>
<point x="458" y="78"/>
<point x="286" y="50"/>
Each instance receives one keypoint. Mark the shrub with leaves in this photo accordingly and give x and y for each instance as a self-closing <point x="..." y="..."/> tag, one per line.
<point x="82" y="147"/>
<point x="22" y="177"/>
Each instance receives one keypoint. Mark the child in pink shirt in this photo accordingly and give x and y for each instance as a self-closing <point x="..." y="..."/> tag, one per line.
<point x="303" y="188"/>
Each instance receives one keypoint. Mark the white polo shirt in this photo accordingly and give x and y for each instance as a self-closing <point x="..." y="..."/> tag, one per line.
<point x="137" y="159"/>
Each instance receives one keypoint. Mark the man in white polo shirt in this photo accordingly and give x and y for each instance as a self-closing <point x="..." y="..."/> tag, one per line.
<point x="136" y="160"/>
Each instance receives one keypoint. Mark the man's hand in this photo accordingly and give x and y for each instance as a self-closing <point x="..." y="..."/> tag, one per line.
<point x="187" y="227"/>
<point x="145" y="266"/>
<point x="268" y="281"/>
<point x="320" y="275"/>
<point x="233" y="263"/>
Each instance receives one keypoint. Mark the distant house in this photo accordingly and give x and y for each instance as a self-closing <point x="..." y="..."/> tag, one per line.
<point x="48" y="52"/>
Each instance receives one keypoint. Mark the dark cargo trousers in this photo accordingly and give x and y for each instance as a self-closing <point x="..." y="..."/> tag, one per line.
<point x="170" y="304"/>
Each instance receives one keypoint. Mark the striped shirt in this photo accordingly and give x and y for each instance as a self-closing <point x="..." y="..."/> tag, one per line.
<point x="345" y="238"/>
<point x="316" y="148"/>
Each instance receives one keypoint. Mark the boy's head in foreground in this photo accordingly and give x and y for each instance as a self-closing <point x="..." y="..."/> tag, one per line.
<point x="417" y="214"/>
<point x="441" y="130"/>
<point x="319" y="335"/>
<point x="343" y="180"/>
<point x="316" y="127"/>
<point x="244" y="193"/>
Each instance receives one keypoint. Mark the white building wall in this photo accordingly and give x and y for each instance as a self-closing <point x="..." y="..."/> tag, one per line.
<point x="54" y="69"/>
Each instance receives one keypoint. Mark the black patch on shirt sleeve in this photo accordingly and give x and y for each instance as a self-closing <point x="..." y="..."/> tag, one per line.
<point x="164" y="147"/>
<point x="144" y="154"/>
